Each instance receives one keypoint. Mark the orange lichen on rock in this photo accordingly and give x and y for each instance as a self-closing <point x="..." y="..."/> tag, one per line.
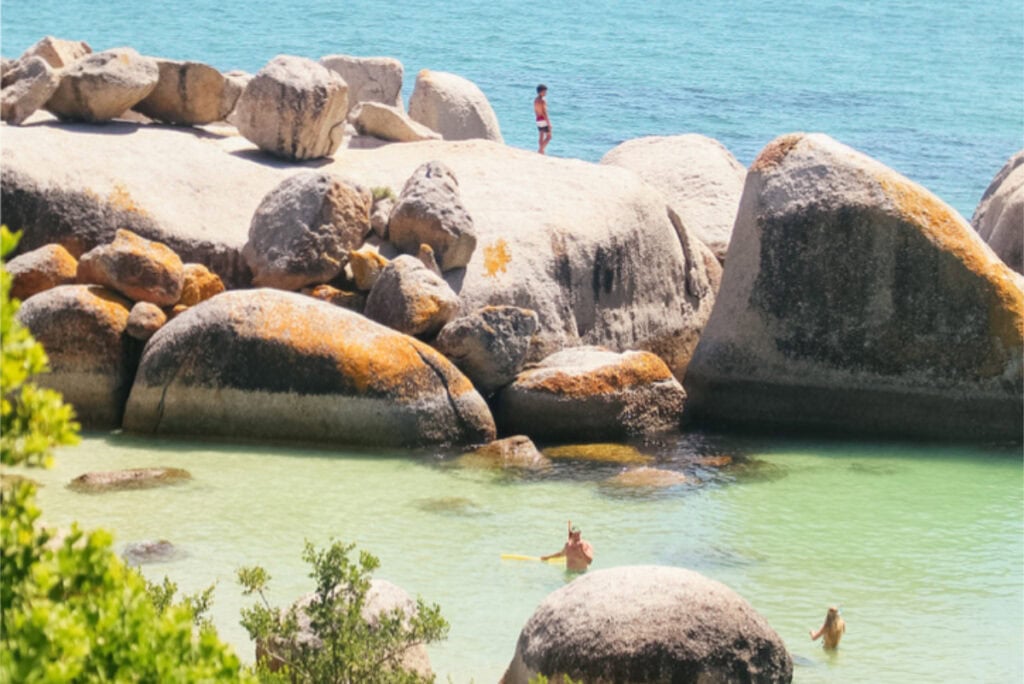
<point x="635" y="369"/>
<point x="951" y="234"/>
<point x="496" y="258"/>
<point x="120" y="198"/>
<point x="775" y="151"/>
<point x="199" y="284"/>
<point x="600" y="453"/>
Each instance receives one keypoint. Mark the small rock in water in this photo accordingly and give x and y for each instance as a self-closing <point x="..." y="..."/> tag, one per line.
<point x="119" y="480"/>
<point x="450" y="505"/>
<point x="513" y="452"/>
<point x="599" y="453"/>
<point x="150" y="551"/>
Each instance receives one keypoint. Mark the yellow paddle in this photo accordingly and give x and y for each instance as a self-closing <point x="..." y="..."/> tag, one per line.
<point x="560" y="560"/>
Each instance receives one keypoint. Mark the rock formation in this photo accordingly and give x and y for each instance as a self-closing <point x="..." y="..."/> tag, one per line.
<point x="140" y="269"/>
<point x="999" y="217"/>
<point x="409" y="298"/>
<point x="102" y="85"/>
<point x="389" y="123"/>
<point x="489" y="345"/>
<point x="35" y="86"/>
<point x="267" y="364"/>
<point x="855" y="300"/>
<point x="369" y="79"/>
<point x="189" y="93"/>
<point x="453" y="106"/>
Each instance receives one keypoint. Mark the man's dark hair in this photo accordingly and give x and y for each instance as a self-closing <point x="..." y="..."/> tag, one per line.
<point x="541" y="88"/>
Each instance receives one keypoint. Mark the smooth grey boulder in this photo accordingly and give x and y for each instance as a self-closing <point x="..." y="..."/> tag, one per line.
<point x="490" y="345"/>
<point x="648" y="623"/>
<point x="36" y="84"/>
<point x="430" y="211"/>
<point x="411" y="299"/>
<point x="189" y="93"/>
<point x="856" y="301"/>
<point x="699" y="177"/>
<point x="369" y="79"/>
<point x="453" y="106"/>
<point x="268" y="364"/>
<point x="389" y="123"/>
<point x="92" y="359"/>
<point x="303" y="230"/>
<point x="142" y="270"/>
<point x="103" y="85"/>
<point x="293" y="108"/>
<point x="144" y="320"/>
<point x="382" y="598"/>
<point x="57" y="52"/>
<point x="999" y="217"/>
<point x="592" y="393"/>
<point x="40" y="270"/>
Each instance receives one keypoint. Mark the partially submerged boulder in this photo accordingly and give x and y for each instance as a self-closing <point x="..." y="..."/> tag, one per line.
<point x="999" y="217"/>
<point x="389" y="123"/>
<point x="133" y="478"/>
<point x="490" y="345"/>
<point x="267" y="364"/>
<point x="411" y="299"/>
<point x="35" y="86"/>
<point x="857" y="301"/>
<point x="92" y="359"/>
<point x="303" y="230"/>
<point x="149" y="551"/>
<point x="646" y="477"/>
<point x="102" y="85"/>
<point x="517" y="452"/>
<point x="369" y="79"/>
<point x="189" y="93"/>
<point x="593" y="392"/>
<point x="648" y="624"/>
<point x="293" y="108"/>
<point x="453" y="106"/>
<point x="140" y="269"/>
<point x="430" y="211"/>
<point x="599" y="452"/>
<point x="40" y="270"/>
<point x="699" y="177"/>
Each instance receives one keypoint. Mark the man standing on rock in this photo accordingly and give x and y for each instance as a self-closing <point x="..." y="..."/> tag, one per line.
<point x="540" y="110"/>
<point x="579" y="554"/>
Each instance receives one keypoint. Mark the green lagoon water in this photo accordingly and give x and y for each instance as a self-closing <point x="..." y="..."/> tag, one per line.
<point x="922" y="546"/>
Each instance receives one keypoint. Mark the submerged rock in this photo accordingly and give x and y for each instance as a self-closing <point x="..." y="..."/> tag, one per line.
<point x="647" y="478"/>
<point x="512" y="452"/>
<point x="855" y="300"/>
<point x="268" y="364"/>
<point x="599" y="453"/>
<point x="648" y="624"/>
<point x="121" y="480"/>
<point x="150" y="551"/>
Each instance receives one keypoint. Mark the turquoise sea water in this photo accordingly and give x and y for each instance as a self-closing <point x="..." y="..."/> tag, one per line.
<point x="933" y="88"/>
<point x="922" y="546"/>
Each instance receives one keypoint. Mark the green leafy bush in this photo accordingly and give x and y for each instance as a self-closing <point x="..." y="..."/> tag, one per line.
<point x="71" y="610"/>
<point x="336" y="644"/>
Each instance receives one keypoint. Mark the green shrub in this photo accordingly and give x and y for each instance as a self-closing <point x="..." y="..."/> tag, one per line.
<point x="349" y="649"/>
<point x="71" y="610"/>
<point x="380" y="192"/>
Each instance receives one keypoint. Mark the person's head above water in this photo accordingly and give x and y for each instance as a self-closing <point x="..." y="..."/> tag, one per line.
<point x="541" y="89"/>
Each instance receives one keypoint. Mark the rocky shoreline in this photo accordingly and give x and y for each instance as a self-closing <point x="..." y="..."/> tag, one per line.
<point x="292" y="255"/>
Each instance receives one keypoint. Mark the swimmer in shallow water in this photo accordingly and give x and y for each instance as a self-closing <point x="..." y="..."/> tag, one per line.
<point x="832" y="630"/>
<point x="578" y="552"/>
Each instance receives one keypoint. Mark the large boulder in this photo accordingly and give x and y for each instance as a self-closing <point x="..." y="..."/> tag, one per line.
<point x="591" y="248"/>
<point x="699" y="177"/>
<point x="140" y="269"/>
<point x="389" y="123"/>
<point x="303" y="230"/>
<point x="999" y="217"/>
<point x="648" y="624"/>
<point x="267" y="364"/>
<point x="594" y="393"/>
<point x="103" y="85"/>
<point x="92" y="359"/>
<point x="293" y="108"/>
<point x="189" y="93"/>
<point x="489" y="345"/>
<point x="409" y="298"/>
<point x="430" y="211"/>
<point x="855" y="300"/>
<point x="453" y="106"/>
<point x="369" y="79"/>
<point x="40" y="270"/>
<point x="37" y="84"/>
<point x="57" y="52"/>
